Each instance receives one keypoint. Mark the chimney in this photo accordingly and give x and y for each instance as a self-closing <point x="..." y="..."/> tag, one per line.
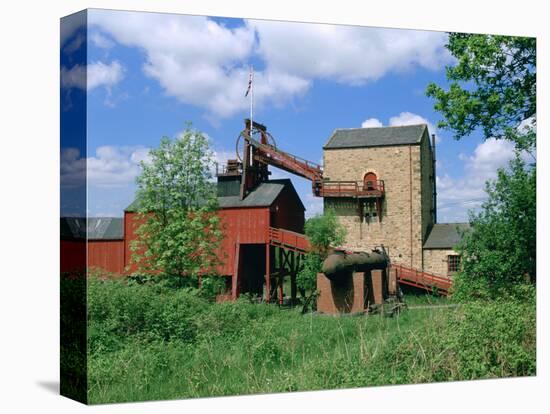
<point x="434" y="180"/>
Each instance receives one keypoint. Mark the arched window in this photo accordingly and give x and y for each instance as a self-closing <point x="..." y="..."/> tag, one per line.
<point x="370" y="181"/>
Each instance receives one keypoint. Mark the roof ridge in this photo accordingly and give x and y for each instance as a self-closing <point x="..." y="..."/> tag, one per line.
<point x="383" y="127"/>
<point x="377" y="136"/>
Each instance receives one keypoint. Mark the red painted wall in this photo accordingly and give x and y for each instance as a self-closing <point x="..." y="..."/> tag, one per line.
<point x="241" y="225"/>
<point x="287" y="212"/>
<point x="107" y="255"/>
<point x="238" y="225"/>
<point x="73" y="255"/>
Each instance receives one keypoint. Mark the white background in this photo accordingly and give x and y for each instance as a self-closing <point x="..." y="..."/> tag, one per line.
<point x="29" y="204"/>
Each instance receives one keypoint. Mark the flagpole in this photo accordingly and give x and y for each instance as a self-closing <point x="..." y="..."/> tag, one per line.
<point x="251" y="96"/>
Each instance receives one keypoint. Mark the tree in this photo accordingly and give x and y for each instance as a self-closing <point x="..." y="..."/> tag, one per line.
<point x="493" y="87"/>
<point x="499" y="251"/>
<point x="177" y="206"/>
<point x="323" y="231"/>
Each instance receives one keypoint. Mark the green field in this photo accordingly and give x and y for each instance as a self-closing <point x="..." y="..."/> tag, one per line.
<point x="153" y="341"/>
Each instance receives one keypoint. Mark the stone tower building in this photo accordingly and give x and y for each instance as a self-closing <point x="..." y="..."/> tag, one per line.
<point x="400" y="161"/>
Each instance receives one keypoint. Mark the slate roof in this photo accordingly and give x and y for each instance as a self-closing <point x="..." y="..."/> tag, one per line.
<point x="105" y="228"/>
<point x="262" y="196"/>
<point x="97" y="228"/>
<point x="445" y="235"/>
<point x="376" y="137"/>
<point x="73" y="228"/>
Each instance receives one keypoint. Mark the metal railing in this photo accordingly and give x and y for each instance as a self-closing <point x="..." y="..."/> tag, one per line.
<point x="288" y="239"/>
<point x="228" y="169"/>
<point x="423" y="280"/>
<point x="374" y="188"/>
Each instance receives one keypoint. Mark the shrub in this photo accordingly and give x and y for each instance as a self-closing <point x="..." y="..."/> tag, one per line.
<point x="323" y="231"/>
<point x="118" y="311"/>
<point x="499" y="251"/>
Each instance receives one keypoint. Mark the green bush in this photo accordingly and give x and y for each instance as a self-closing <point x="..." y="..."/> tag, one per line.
<point x="500" y="250"/>
<point x="150" y="341"/>
<point x="323" y="231"/>
<point x="118" y="311"/>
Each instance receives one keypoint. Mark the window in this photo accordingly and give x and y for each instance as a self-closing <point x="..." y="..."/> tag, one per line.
<point x="370" y="211"/>
<point x="453" y="263"/>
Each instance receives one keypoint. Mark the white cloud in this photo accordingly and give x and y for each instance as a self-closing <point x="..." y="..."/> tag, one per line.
<point x="203" y="63"/>
<point x="115" y="166"/>
<point x="97" y="73"/>
<point x="101" y="41"/>
<point x="72" y="169"/>
<point x="404" y="118"/>
<point x="347" y="54"/>
<point x="111" y="166"/>
<point x="408" y="118"/>
<point x="74" y="77"/>
<point x="193" y="58"/>
<point x="372" y="123"/>
<point x="101" y="74"/>
<point x="457" y="196"/>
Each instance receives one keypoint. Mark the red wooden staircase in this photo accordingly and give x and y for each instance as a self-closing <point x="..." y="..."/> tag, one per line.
<point x="422" y="280"/>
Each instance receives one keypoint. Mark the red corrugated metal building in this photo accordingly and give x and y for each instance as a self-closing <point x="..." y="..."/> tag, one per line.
<point x="104" y="248"/>
<point x="268" y="221"/>
<point x="247" y="250"/>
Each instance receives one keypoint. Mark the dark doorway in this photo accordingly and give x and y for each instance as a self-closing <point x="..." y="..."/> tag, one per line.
<point x="370" y="181"/>
<point x="253" y="268"/>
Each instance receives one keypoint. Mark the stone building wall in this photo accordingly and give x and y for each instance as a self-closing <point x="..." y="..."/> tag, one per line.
<point x="404" y="221"/>
<point x="435" y="260"/>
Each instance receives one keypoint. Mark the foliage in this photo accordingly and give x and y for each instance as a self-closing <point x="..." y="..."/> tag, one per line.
<point x="117" y="310"/>
<point x="503" y="332"/>
<point x="492" y="87"/>
<point x="177" y="200"/>
<point x="499" y="251"/>
<point x="323" y="231"/>
<point x="149" y="341"/>
<point x="211" y="286"/>
<point x="73" y="369"/>
<point x="307" y="276"/>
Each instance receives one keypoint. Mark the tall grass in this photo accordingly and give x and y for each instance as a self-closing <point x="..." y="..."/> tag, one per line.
<point x="152" y="342"/>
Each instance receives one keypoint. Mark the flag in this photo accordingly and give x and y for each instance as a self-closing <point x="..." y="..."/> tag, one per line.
<point x="249" y="84"/>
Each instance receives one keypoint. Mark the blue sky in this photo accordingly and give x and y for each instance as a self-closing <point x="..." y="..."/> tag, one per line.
<point x="150" y="73"/>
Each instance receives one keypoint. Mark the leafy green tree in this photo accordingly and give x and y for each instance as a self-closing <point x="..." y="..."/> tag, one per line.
<point x="177" y="207"/>
<point x="323" y="231"/>
<point x="492" y="87"/>
<point x="499" y="251"/>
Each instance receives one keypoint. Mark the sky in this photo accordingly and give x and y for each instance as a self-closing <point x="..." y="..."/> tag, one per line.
<point x="150" y="73"/>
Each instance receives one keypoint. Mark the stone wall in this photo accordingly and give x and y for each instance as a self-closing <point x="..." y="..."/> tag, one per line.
<point x="435" y="260"/>
<point x="404" y="222"/>
<point x="427" y="178"/>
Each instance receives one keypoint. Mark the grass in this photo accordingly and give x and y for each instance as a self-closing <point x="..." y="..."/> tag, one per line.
<point x="148" y="342"/>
